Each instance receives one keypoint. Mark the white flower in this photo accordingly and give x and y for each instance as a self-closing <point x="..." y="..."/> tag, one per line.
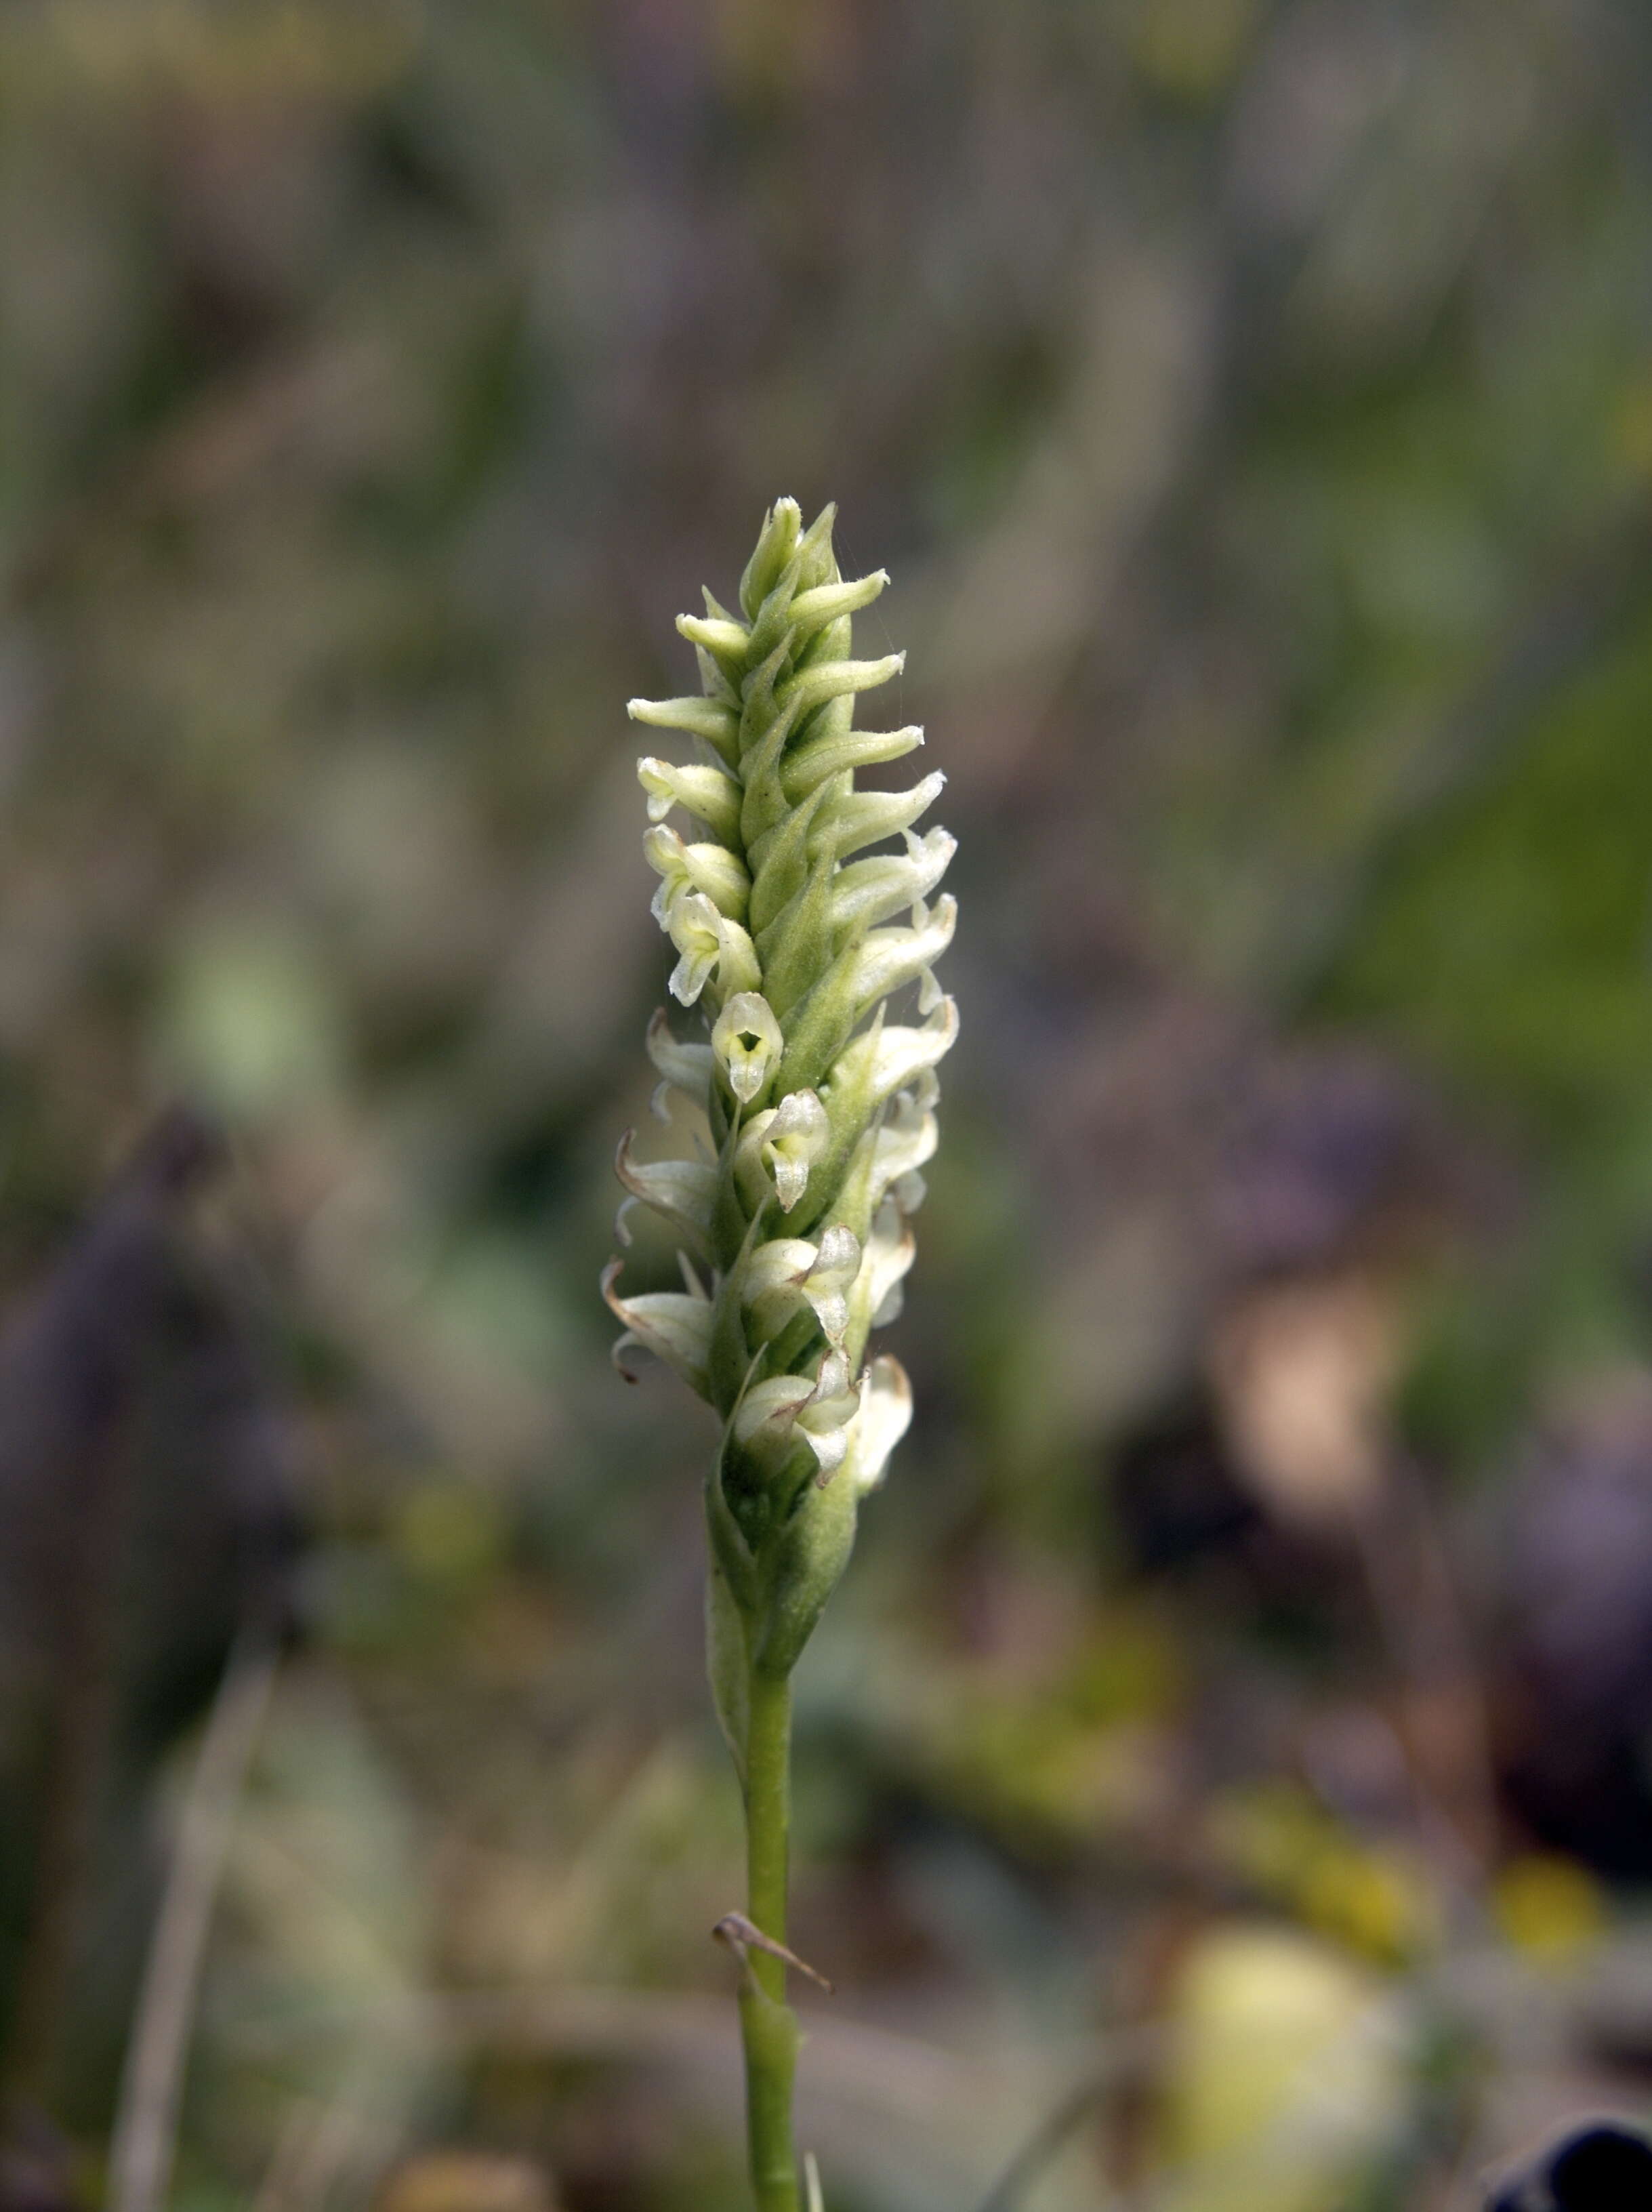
<point x="776" y="1414"/>
<point x="789" y="1271"/>
<point x="747" y="1042"/>
<point x="778" y="1146"/>
<point x="869" y="892"/>
<point x="890" y="958"/>
<point x="888" y="1056"/>
<point x="710" y="944"/>
<point x="710" y="868"/>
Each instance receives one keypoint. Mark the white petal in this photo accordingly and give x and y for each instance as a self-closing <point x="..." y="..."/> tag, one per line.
<point x="691" y="922"/>
<point x="776" y="1413"/>
<point x="709" y="943"/>
<point x="773" y="1404"/>
<point x="683" y="1191"/>
<point x="883" y="1418"/>
<point x="900" y="1147"/>
<point x="870" y="891"/>
<point x="791" y="1176"/>
<point x="684" y="1067"/>
<point x="782" y="1264"/>
<point x="675" y="1328"/>
<point x="825" y="1416"/>
<point x="780" y="1146"/>
<point x="709" y="869"/>
<point x="890" y="958"/>
<point x="888" y="1056"/>
<point x="719" y="726"/>
<point x="829" y="1280"/>
<point x="890" y="1250"/>
<point x="859" y="818"/>
<point x="711" y="794"/>
<point x="747" y="1041"/>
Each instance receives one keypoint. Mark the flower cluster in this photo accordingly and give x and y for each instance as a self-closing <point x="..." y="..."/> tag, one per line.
<point x="803" y="1115"/>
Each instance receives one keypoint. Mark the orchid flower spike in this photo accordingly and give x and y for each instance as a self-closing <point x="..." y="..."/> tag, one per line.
<point x="799" y="912"/>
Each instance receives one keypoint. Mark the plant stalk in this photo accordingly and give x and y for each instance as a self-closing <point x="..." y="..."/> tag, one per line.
<point x="768" y="2026"/>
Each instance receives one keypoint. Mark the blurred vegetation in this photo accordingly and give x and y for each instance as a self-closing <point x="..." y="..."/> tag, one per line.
<point x="1252" y="400"/>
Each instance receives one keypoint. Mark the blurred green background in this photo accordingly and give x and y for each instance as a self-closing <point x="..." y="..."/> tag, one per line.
<point x="1226" y="1777"/>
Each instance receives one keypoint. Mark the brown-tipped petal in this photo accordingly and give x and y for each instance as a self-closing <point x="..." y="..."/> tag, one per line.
<point x="883" y="1417"/>
<point x="681" y="1192"/>
<point x="676" y="1327"/>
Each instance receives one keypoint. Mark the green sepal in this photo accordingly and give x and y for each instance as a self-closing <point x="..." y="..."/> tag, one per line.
<point x="824" y="1022"/>
<point x="831" y="641"/>
<point x="852" y="820"/>
<point x="771" y="633"/>
<point x="729" y="1547"/>
<point x="765" y="803"/>
<point x="780" y="859"/>
<point x="730" y="1355"/>
<point x="797" y="944"/>
<point x="825" y="604"/>
<point x="728" y="1662"/>
<point x="720" y="1114"/>
<point x="777" y="545"/>
<point x="728" y="1365"/>
<point x="831" y="721"/>
<point x="817" y="564"/>
<point x="848" y="1165"/>
<point x="786" y="1353"/>
<point x="807" y="1559"/>
<point x="724" y="642"/>
<point x="840" y="1182"/>
<point x="818" y="756"/>
<point x="815" y="683"/>
<point x="719" y="726"/>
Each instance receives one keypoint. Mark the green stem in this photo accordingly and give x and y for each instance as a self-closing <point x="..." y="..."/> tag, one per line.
<point x="767" y="2023"/>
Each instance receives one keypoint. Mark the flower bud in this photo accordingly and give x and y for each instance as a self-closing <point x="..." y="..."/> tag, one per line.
<point x="709" y="794"/>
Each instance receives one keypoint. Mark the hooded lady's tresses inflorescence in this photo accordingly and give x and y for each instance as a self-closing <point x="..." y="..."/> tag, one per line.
<point x="800" y="1113"/>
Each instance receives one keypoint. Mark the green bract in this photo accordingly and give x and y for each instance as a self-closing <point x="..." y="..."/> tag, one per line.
<point x="801" y="1113"/>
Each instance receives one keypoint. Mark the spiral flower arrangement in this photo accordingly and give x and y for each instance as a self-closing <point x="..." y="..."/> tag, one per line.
<point x="802" y="1115"/>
